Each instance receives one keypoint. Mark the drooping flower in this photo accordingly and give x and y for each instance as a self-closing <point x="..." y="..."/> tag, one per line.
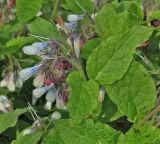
<point x="40" y="91"/>
<point x="9" y="82"/>
<point x="5" y="104"/>
<point x="50" y="97"/>
<point x="39" y="80"/>
<point x="28" y="72"/>
<point x="36" y="48"/>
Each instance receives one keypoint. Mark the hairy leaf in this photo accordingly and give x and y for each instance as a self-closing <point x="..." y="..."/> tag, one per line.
<point x="145" y="135"/>
<point x="84" y="97"/>
<point x="8" y="120"/>
<point x="111" y="60"/>
<point x="29" y="138"/>
<point x="134" y="94"/>
<point x="87" y="133"/>
<point x="26" y="9"/>
<point x="43" y="28"/>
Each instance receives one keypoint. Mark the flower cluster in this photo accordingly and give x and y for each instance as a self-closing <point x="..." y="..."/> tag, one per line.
<point x="11" y="81"/>
<point x="50" y="74"/>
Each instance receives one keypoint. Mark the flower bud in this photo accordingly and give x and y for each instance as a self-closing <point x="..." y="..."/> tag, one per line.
<point x="56" y="115"/>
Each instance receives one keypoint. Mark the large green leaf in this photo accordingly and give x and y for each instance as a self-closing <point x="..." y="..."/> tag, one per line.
<point x="84" y="97"/>
<point x="26" y="9"/>
<point x="134" y="94"/>
<point x="145" y="135"/>
<point x="43" y="28"/>
<point x="8" y="120"/>
<point x="86" y="133"/>
<point x="119" y="17"/>
<point x="111" y="60"/>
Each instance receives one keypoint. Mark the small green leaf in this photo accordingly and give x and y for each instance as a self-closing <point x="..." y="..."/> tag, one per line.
<point x="111" y="60"/>
<point x="86" y="133"/>
<point x="145" y="135"/>
<point x="89" y="47"/>
<point x="134" y="94"/>
<point x="8" y="120"/>
<point x="29" y="138"/>
<point x="84" y="97"/>
<point x="15" y="44"/>
<point x="26" y="9"/>
<point x="79" y="6"/>
<point x="43" y="28"/>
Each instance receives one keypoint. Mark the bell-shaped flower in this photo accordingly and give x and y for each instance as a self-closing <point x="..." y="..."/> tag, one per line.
<point x="5" y="104"/>
<point x="50" y="97"/>
<point x="55" y="115"/>
<point x="36" y="48"/>
<point x="39" y="80"/>
<point x="60" y="104"/>
<point x="28" y="72"/>
<point x="19" y="82"/>
<point x="9" y="82"/>
<point x="74" y="17"/>
<point x="40" y="91"/>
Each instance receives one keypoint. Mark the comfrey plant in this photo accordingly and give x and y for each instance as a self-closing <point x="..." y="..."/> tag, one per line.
<point x="50" y="73"/>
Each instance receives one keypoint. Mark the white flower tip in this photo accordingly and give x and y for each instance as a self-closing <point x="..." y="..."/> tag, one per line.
<point x="28" y="131"/>
<point x="34" y="100"/>
<point x="48" y="105"/>
<point x="56" y="115"/>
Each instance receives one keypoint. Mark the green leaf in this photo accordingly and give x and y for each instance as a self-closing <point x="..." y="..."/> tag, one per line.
<point x="53" y="138"/>
<point x="29" y="138"/>
<point x="111" y="60"/>
<point x="8" y="120"/>
<point x="89" y="47"/>
<point x="26" y="9"/>
<point x="84" y="97"/>
<point x="109" y="111"/>
<point x="145" y="135"/>
<point x="15" y="44"/>
<point x="79" y="6"/>
<point x="43" y="28"/>
<point x="86" y="133"/>
<point x="134" y="94"/>
<point x="117" y="19"/>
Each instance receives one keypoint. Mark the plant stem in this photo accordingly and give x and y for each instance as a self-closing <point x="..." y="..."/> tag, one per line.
<point x="149" y="116"/>
<point x="55" y="9"/>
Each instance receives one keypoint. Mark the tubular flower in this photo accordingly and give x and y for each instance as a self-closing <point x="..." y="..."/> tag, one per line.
<point x="5" y="104"/>
<point x="50" y="73"/>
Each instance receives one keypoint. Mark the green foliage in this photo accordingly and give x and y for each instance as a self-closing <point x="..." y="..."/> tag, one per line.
<point x="79" y="6"/>
<point x="26" y="10"/>
<point x="43" y="28"/>
<point x="29" y="138"/>
<point x="119" y="50"/>
<point x="10" y="119"/>
<point x="88" y="132"/>
<point x="145" y="135"/>
<point x="129" y="93"/>
<point x="84" y="97"/>
<point x="111" y="60"/>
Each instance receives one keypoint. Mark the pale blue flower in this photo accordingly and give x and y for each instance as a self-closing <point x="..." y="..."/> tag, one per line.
<point x="74" y="17"/>
<point x="28" y="72"/>
<point x="36" y="48"/>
